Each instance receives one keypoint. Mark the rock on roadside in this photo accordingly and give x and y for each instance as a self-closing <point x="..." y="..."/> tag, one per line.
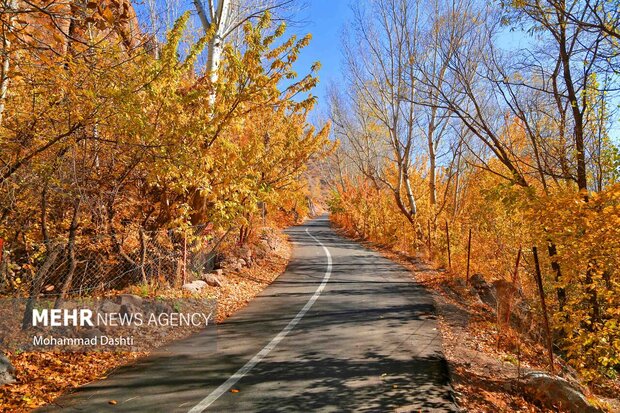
<point x="213" y="279"/>
<point x="484" y="290"/>
<point x="194" y="286"/>
<point x="129" y="299"/>
<point x="109" y="307"/>
<point x="7" y="371"/>
<point x="556" y="393"/>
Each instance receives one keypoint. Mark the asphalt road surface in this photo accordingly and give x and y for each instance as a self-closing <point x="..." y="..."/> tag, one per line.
<point x="343" y="329"/>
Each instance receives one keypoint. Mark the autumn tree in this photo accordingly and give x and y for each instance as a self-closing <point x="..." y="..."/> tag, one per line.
<point x="379" y="53"/>
<point x="528" y="156"/>
<point x="105" y="145"/>
<point x="224" y="18"/>
<point x="582" y="48"/>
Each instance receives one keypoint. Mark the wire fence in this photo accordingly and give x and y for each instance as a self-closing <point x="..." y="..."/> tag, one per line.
<point x="96" y="264"/>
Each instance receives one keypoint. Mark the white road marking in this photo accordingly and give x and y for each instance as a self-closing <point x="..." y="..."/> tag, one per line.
<point x="224" y="387"/>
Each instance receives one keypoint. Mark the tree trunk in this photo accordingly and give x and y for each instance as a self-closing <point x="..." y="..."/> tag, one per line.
<point x="216" y="44"/>
<point x="70" y="254"/>
<point x="432" y="161"/>
<point x="543" y="304"/>
<point x="37" y="283"/>
<point x="582" y="180"/>
<point x="413" y="208"/>
<point x="6" y="56"/>
<point x="555" y="266"/>
<point x="457" y="182"/>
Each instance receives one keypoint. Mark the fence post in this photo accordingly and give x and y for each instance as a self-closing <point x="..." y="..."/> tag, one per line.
<point x="541" y="292"/>
<point x="448" y="242"/>
<point x="184" y="259"/>
<point x="143" y="256"/>
<point x="468" y="255"/>
<point x="430" y="247"/>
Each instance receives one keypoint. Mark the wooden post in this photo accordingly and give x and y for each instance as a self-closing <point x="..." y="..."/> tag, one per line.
<point x="184" y="259"/>
<point x="430" y="247"/>
<point x="541" y="292"/>
<point x="448" y="243"/>
<point x="468" y="255"/>
<point x="143" y="255"/>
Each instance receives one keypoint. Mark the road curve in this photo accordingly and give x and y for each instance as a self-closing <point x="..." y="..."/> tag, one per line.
<point x="343" y="329"/>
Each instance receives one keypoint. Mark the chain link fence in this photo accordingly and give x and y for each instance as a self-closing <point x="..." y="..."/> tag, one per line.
<point x="91" y="265"/>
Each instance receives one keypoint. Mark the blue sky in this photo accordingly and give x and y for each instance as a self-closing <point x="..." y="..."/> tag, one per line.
<point x="325" y="20"/>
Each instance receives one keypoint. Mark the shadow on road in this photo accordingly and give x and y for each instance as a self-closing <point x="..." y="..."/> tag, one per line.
<point x="370" y="343"/>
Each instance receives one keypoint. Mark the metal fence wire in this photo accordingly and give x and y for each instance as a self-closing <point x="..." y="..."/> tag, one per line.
<point x="104" y="263"/>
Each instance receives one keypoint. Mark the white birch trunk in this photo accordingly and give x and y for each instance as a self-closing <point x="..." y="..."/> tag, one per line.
<point x="154" y="27"/>
<point x="6" y="58"/>
<point x="217" y="17"/>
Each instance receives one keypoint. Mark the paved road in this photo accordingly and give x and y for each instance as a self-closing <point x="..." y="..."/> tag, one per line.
<point x="343" y="329"/>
